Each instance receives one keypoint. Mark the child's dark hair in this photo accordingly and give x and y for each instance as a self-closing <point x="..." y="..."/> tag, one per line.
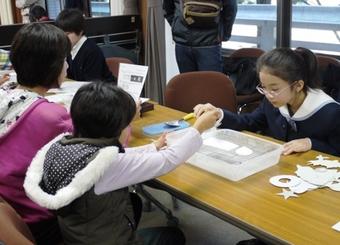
<point x="38" y="53"/>
<point x="71" y="20"/>
<point x="37" y="13"/>
<point x="291" y="65"/>
<point x="101" y="110"/>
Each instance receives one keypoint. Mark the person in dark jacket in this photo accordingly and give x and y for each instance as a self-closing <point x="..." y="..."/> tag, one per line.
<point x="87" y="61"/>
<point x="198" y="46"/>
<point x="294" y="109"/>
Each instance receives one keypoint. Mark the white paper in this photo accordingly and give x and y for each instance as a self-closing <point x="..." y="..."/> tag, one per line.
<point x="142" y="100"/>
<point x="323" y="161"/>
<point x="65" y="93"/>
<point x="64" y="99"/>
<point x="318" y="177"/>
<point x="221" y="144"/>
<point x="244" y="151"/>
<point x="287" y="194"/>
<point x="131" y="78"/>
<point x="70" y="87"/>
<point x="290" y="180"/>
<point x="336" y="226"/>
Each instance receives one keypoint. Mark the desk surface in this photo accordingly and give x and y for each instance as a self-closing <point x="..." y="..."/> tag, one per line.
<point x="252" y="203"/>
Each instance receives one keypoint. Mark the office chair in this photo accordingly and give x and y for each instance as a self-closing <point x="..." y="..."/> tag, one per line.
<point x="13" y="230"/>
<point x="113" y="64"/>
<point x="248" y="102"/>
<point x="112" y="50"/>
<point x="247" y="52"/>
<point x="329" y="73"/>
<point x="186" y="90"/>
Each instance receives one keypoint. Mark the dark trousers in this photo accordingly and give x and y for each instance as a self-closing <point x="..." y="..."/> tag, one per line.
<point x="199" y="58"/>
<point x="155" y="235"/>
<point x="46" y="232"/>
<point x="161" y="236"/>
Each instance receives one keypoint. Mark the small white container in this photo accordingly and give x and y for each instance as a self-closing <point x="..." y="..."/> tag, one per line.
<point x="233" y="155"/>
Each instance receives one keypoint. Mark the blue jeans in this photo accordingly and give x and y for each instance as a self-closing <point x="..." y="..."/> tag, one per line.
<point x="199" y="58"/>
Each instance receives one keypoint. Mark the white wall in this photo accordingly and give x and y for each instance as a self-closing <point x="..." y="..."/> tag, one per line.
<point x="171" y="64"/>
<point x="126" y="7"/>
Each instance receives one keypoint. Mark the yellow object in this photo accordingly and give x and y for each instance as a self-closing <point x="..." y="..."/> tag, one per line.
<point x="188" y="116"/>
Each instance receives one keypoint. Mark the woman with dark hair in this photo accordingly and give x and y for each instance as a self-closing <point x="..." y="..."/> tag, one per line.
<point x="85" y="176"/>
<point x="294" y="109"/>
<point x="28" y="121"/>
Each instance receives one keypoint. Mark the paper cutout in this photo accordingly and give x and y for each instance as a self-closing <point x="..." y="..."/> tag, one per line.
<point x="336" y="226"/>
<point x="292" y="180"/>
<point x="334" y="187"/>
<point x="303" y="187"/>
<point x="244" y="151"/>
<point x="322" y="161"/>
<point x="221" y="144"/>
<point x="287" y="194"/>
<point x="311" y="178"/>
<point x="316" y="177"/>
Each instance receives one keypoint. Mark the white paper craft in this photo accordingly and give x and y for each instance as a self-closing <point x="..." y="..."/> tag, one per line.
<point x="286" y="194"/>
<point x="312" y="178"/>
<point x="320" y="177"/>
<point x="131" y="78"/>
<point x="221" y="144"/>
<point x="334" y="186"/>
<point x="303" y="187"/>
<point x="244" y="151"/>
<point x="322" y="161"/>
<point x="336" y="226"/>
<point x="292" y="180"/>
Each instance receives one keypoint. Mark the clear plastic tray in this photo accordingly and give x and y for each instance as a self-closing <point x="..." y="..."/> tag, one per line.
<point x="234" y="155"/>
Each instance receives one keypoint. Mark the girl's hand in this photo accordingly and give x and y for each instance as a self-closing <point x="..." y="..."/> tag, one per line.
<point x="138" y="108"/>
<point x="160" y="142"/>
<point x="201" y="108"/>
<point x="299" y="145"/>
<point x="206" y="120"/>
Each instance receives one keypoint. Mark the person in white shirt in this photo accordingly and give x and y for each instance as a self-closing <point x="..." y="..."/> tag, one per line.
<point x="85" y="176"/>
<point x="87" y="61"/>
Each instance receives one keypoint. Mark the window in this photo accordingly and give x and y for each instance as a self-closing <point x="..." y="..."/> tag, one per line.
<point x="100" y="8"/>
<point x="53" y="8"/>
<point x="316" y="26"/>
<point x="255" y="25"/>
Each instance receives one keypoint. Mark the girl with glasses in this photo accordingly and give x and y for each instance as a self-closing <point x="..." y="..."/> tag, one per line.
<point x="294" y="109"/>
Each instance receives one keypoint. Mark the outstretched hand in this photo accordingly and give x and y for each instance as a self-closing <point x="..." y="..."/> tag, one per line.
<point x="298" y="145"/>
<point x="206" y="120"/>
<point x="201" y="108"/>
<point x="160" y="142"/>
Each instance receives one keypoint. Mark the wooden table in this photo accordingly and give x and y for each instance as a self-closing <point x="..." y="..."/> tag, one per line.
<point x="252" y="204"/>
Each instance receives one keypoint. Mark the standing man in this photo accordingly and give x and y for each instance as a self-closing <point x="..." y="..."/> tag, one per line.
<point x="198" y="29"/>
